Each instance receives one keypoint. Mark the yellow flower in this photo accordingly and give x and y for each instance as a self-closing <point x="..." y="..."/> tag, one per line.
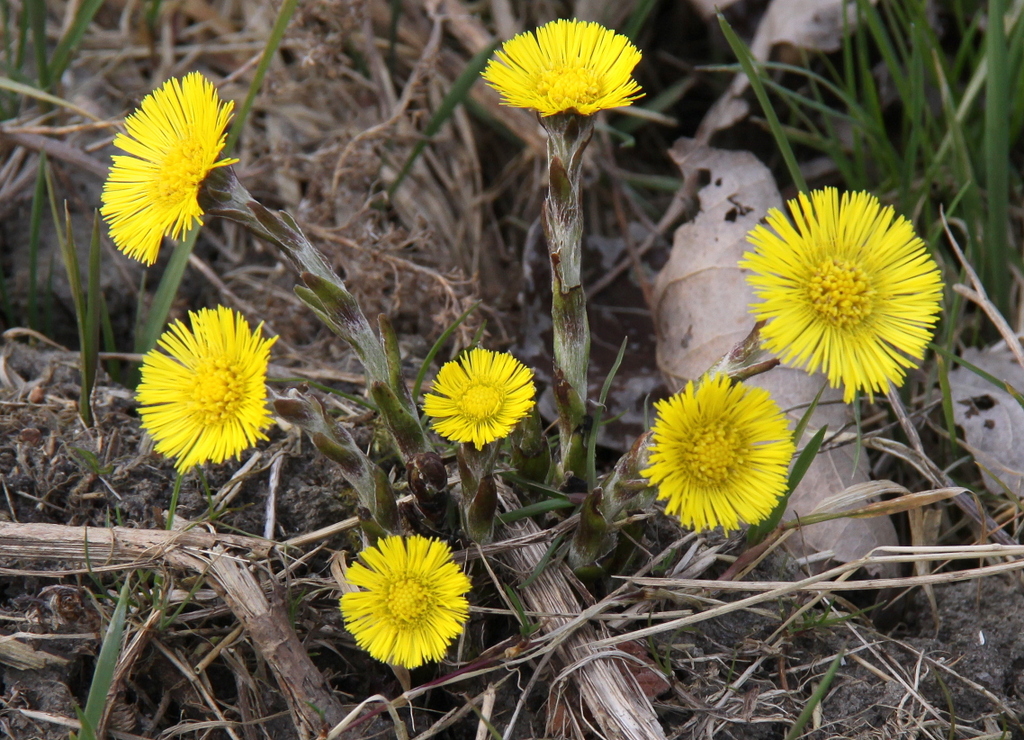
<point x="413" y="605"/>
<point x="847" y="288"/>
<point x="207" y="399"/>
<point x="720" y="454"/>
<point x="566" y="66"/>
<point x="174" y="139"/>
<point x="480" y="397"/>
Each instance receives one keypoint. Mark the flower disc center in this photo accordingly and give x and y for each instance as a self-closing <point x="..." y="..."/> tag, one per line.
<point x="408" y="600"/>
<point x="711" y="455"/>
<point x="217" y="392"/>
<point x="841" y="293"/>
<point x="481" y="402"/>
<point x="182" y="172"/>
<point x="569" y="86"/>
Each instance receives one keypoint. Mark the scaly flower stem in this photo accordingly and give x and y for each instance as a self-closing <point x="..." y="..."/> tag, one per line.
<point x="332" y="439"/>
<point x="568" y="136"/>
<point x="223" y="195"/>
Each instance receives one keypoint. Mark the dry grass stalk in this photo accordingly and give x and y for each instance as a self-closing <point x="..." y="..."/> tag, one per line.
<point x="610" y="693"/>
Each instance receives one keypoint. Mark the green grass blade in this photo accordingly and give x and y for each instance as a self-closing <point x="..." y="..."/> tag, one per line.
<point x="67" y="45"/>
<point x="48" y="299"/>
<point x="35" y="223"/>
<point x="994" y="262"/>
<point x="5" y="301"/>
<point x="165" y="293"/>
<point x="172" y="507"/>
<point x="87" y="359"/>
<point x="543" y="562"/>
<point x="819" y="694"/>
<point x="531" y="510"/>
<point x="109" y="342"/>
<point x="758" y="532"/>
<point x="996" y="382"/>
<point x="659" y="103"/>
<point x="91" y="330"/>
<point x="152" y="13"/>
<point x="637" y="18"/>
<point x="747" y="62"/>
<point x="30" y="91"/>
<point x="396" y="16"/>
<point x="284" y="15"/>
<point x="69" y="253"/>
<point x="422" y="374"/>
<point x="36" y="12"/>
<point x="947" y="404"/>
<point x="358" y="400"/>
<point x="458" y="93"/>
<point x="595" y="427"/>
<point x="106" y="663"/>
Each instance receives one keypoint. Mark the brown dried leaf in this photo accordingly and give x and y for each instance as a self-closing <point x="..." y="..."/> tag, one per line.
<point x="993" y="422"/>
<point x="700" y="312"/>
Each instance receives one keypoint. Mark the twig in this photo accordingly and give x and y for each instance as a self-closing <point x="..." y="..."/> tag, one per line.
<point x="979" y="297"/>
<point x="271" y="511"/>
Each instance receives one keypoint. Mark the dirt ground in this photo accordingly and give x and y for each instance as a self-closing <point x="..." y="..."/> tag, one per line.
<point x="944" y="663"/>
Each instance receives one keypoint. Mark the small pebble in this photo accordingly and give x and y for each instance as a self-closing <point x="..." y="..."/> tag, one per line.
<point x="30" y="436"/>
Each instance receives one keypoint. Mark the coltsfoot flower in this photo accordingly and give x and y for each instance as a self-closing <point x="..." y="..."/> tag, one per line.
<point x="846" y="287"/>
<point x="566" y="66"/>
<point x="414" y="604"/>
<point x="173" y="141"/>
<point x="720" y="454"/>
<point x="480" y="397"/>
<point x="207" y="399"/>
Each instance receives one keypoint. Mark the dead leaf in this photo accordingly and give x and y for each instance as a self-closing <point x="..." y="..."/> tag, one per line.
<point x="650" y="679"/>
<point x="993" y="422"/>
<point x="700" y="312"/>
<point x="702" y="270"/>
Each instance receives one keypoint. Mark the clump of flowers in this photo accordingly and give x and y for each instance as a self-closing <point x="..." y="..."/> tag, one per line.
<point x="174" y="139"/>
<point x="846" y="287"/>
<point x="566" y="66"/>
<point x="206" y="399"/>
<point x="413" y="604"/>
<point x="480" y="397"/>
<point x="720" y="454"/>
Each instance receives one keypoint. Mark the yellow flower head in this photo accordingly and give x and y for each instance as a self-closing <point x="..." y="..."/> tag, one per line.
<point x="207" y="399"/>
<point x="566" y="66"/>
<point x="174" y="139"/>
<point x="480" y="397"/>
<point x="413" y="605"/>
<point x="720" y="454"/>
<point x="847" y="287"/>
